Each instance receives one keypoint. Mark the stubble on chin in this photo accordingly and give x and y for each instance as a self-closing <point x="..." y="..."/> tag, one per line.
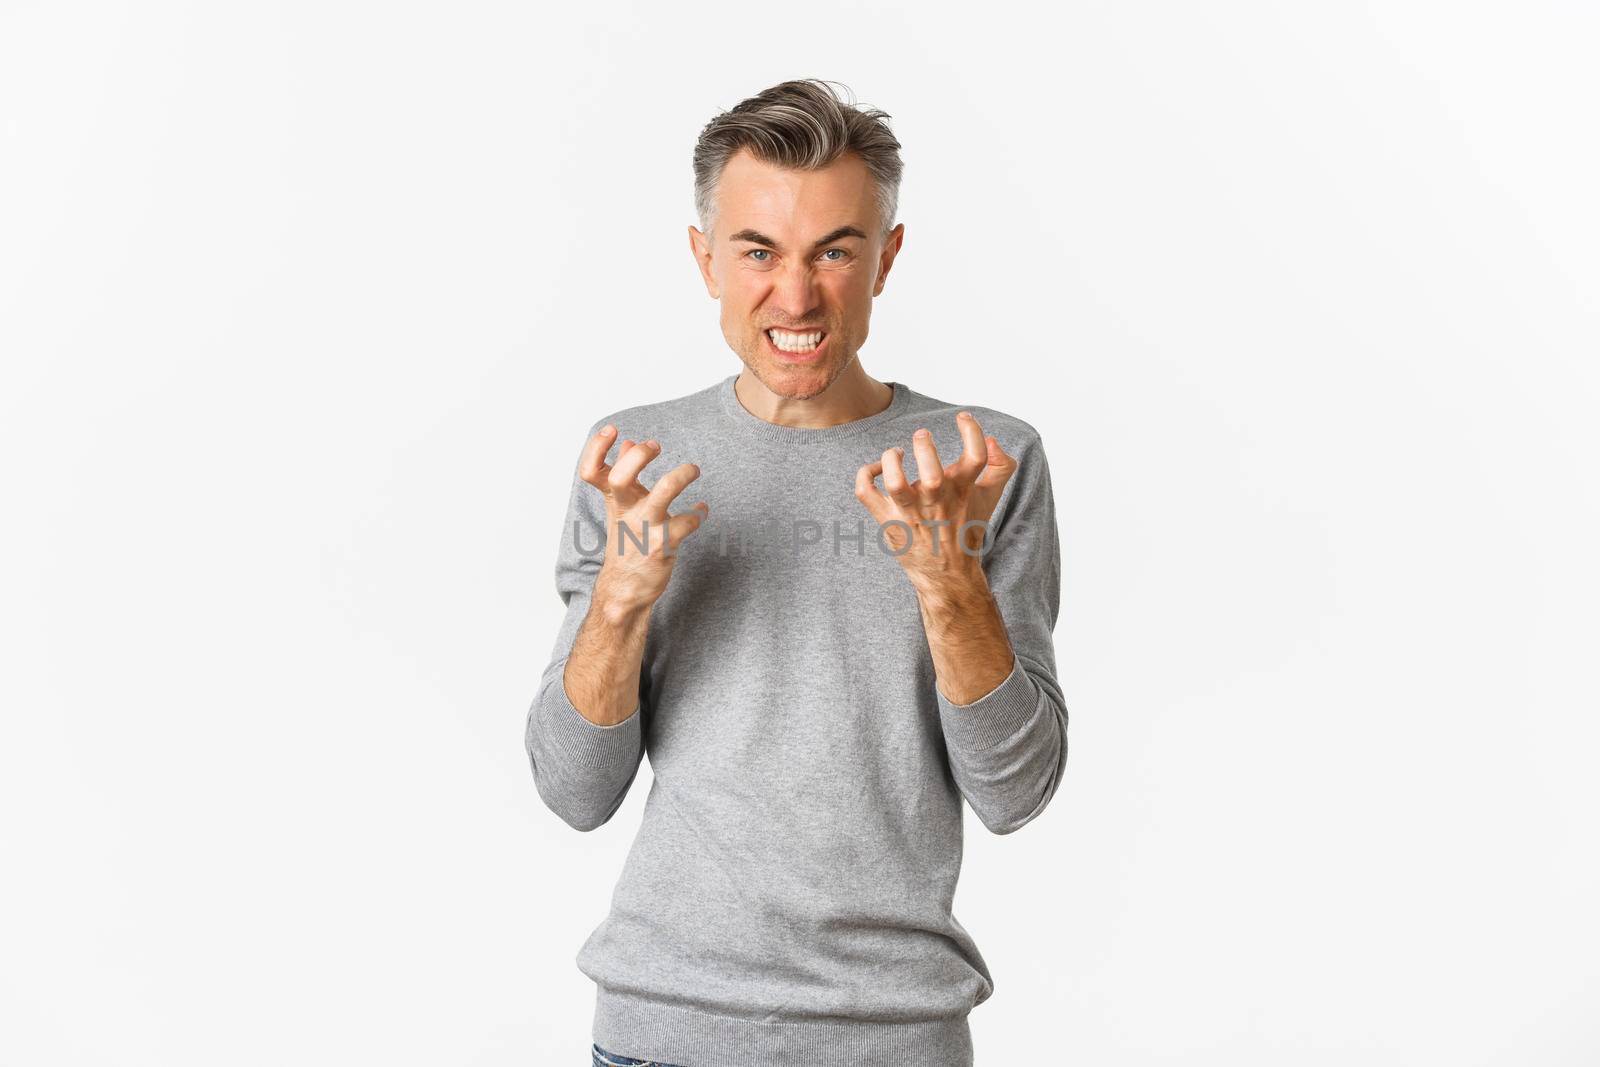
<point x="796" y="384"/>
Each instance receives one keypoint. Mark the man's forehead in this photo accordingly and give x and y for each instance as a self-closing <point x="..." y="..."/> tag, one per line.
<point x="804" y="204"/>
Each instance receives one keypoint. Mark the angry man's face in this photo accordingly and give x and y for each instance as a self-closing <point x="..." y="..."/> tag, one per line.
<point x="795" y="257"/>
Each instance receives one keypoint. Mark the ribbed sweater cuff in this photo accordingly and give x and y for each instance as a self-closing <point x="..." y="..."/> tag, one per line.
<point x="582" y="746"/>
<point x="993" y="717"/>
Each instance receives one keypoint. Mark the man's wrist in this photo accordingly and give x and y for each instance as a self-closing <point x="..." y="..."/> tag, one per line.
<point x="616" y="606"/>
<point x="955" y="596"/>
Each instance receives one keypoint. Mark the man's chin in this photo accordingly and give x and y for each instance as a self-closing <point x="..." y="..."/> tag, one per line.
<point x="796" y="381"/>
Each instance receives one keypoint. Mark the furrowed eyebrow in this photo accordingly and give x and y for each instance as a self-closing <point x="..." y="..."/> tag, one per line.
<point x="756" y="237"/>
<point x="842" y="231"/>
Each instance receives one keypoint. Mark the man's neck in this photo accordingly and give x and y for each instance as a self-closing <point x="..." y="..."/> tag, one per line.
<point x="853" y="395"/>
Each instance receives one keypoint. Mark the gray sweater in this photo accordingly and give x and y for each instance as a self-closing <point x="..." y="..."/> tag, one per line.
<point x="787" y="898"/>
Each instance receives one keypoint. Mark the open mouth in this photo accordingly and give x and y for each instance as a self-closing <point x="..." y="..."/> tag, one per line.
<point x="796" y="345"/>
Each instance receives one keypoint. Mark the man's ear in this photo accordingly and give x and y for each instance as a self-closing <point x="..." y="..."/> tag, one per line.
<point x="891" y="248"/>
<point x="700" y="246"/>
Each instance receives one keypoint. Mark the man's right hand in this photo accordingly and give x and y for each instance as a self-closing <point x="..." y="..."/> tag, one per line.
<point x="634" y="577"/>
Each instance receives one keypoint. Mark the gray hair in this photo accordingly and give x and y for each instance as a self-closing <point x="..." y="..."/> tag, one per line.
<point x="802" y="125"/>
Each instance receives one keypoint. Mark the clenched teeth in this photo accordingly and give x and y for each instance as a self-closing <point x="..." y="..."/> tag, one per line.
<point x="795" y="342"/>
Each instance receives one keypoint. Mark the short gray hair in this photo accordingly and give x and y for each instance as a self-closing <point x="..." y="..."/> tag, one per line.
<point x="802" y="125"/>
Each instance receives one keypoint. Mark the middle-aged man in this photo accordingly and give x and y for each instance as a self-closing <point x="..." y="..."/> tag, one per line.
<point x="819" y="669"/>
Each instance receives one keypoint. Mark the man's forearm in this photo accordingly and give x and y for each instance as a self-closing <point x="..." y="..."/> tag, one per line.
<point x="967" y="637"/>
<point x="602" y="671"/>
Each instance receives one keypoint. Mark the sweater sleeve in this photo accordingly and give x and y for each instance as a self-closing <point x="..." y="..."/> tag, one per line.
<point x="581" y="770"/>
<point x="1008" y="748"/>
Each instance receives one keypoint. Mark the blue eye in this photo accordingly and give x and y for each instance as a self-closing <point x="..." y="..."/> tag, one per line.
<point x="842" y="254"/>
<point x="758" y="251"/>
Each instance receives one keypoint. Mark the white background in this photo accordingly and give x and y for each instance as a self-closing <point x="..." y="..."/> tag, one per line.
<point x="305" y="309"/>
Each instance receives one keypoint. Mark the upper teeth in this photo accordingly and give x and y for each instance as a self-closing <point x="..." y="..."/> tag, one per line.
<point x="795" y="342"/>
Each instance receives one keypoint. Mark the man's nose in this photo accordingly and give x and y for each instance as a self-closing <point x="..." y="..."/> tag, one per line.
<point x="794" y="291"/>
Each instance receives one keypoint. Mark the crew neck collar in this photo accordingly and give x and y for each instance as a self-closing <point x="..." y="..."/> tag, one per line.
<point x="760" y="428"/>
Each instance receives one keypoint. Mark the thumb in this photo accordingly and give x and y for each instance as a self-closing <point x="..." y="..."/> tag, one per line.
<point x="997" y="467"/>
<point x="681" y="526"/>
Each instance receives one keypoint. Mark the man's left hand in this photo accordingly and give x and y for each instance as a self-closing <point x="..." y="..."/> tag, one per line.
<point x="945" y="509"/>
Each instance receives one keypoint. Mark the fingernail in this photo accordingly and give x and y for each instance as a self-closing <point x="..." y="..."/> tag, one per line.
<point x="608" y="429"/>
<point x="963" y="414"/>
<point x="899" y="451"/>
<point x="920" y="433"/>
